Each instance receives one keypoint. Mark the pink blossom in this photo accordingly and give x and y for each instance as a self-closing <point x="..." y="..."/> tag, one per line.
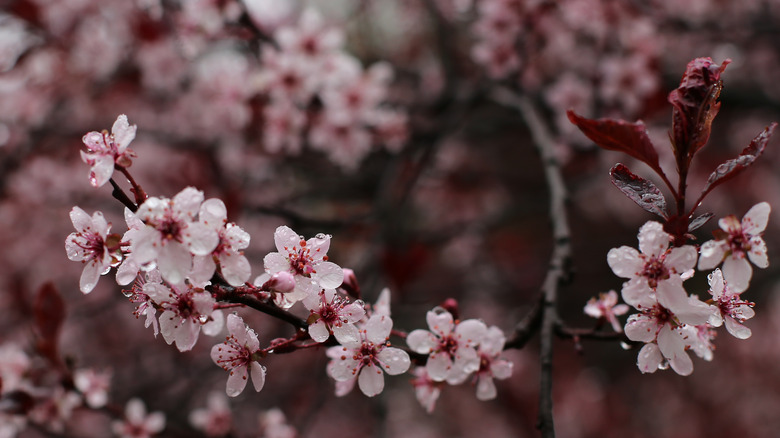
<point x="367" y="357"/>
<point x="491" y="365"/>
<point x="330" y="313"/>
<point x="656" y="268"/>
<point x="93" y="385"/>
<point x="280" y="285"/>
<point x="339" y="135"/>
<point x="699" y="339"/>
<point x="233" y="265"/>
<point x="306" y="260"/>
<point x="104" y="150"/>
<point x="185" y="310"/>
<point x="737" y="242"/>
<point x="732" y="310"/>
<point x="273" y="424"/>
<point x="171" y="235"/>
<point x="55" y="410"/>
<point x="426" y="390"/>
<point x="216" y="419"/>
<point x="660" y="325"/>
<point x="14" y="365"/>
<point x="450" y="344"/>
<point x="88" y="245"/>
<point x="237" y="355"/>
<point x="137" y="424"/>
<point x="311" y="38"/>
<point x="283" y="125"/>
<point x="606" y="307"/>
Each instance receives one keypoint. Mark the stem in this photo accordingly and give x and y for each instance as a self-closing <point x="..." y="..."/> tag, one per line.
<point x="120" y="195"/>
<point x="558" y="272"/>
<point x="140" y="194"/>
<point x="231" y="295"/>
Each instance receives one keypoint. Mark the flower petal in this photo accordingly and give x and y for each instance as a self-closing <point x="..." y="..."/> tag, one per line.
<point x="371" y="380"/>
<point x="486" y="389"/>
<point x="649" y="358"/>
<point x="394" y="360"/>
<point x="236" y="381"/>
<point x="737" y="273"/>
<point x="625" y="261"/>
<point x="653" y="240"/>
<point x="258" y="375"/>
<point x="756" y="219"/>
<point x="319" y="331"/>
<point x="712" y="253"/>
<point x="421" y="341"/>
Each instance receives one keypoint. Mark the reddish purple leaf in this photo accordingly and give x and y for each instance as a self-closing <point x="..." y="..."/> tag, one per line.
<point x="619" y="135"/>
<point x="49" y="310"/>
<point x="639" y="190"/>
<point x="695" y="104"/>
<point x="733" y="167"/>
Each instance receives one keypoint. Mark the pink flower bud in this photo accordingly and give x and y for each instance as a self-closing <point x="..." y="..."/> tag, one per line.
<point x="350" y="284"/>
<point x="280" y="282"/>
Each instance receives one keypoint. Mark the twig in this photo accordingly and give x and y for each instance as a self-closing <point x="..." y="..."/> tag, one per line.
<point x="558" y="271"/>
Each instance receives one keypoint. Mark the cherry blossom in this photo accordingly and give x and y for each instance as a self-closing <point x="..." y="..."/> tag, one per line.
<point x="659" y="325"/>
<point x="237" y="355"/>
<point x="185" y="310"/>
<point x="732" y="310"/>
<point x="93" y="385"/>
<point x="311" y="38"/>
<point x="450" y="344"/>
<point x="306" y="260"/>
<point x="91" y="245"/>
<point x="367" y="357"/>
<point x="137" y="424"/>
<point x="699" y="339"/>
<point x="737" y="241"/>
<point x="606" y="307"/>
<point x="56" y="409"/>
<point x="233" y="265"/>
<point x="331" y="313"/>
<point x="215" y="420"/>
<point x="14" y="364"/>
<point x="426" y="390"/>
<point x="491" y="365"/>
<point x="104" y="150"/>
<point x="171" y="235"/>
<point x="273" y="424"/>
<point x="655" y="267"/>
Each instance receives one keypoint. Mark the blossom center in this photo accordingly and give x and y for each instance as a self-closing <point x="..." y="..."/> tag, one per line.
<point x="655" y="271"/>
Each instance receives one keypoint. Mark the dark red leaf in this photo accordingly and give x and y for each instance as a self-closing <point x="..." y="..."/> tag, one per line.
<point x="733" y="167"/>
<point x="639" y="190"/>
<point x="49" y="311"/>
<point x="695" y="104"/>
<point x="619" y="135"/>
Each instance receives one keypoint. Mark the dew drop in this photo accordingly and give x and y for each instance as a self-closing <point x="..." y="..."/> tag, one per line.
<point x="624" y="345"/>
<point x="663" y="365"/>
<point x="128" y="293"/>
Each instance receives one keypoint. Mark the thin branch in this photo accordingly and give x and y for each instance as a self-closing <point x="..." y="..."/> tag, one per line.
<point x="558" y="271"/>
<point x="121" y="196"/>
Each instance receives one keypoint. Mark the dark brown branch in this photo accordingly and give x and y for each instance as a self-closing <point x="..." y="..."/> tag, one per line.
<point x="121" y="196"/>
<point x="229" y="294"/>
<point x="558" y="271"/>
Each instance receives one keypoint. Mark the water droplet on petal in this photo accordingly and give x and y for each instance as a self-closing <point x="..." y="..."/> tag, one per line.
<point x="624" y="345"/>
<point x="203" y="319"/>
<point x="663" y="365"/>
<point x="128" y="292"/>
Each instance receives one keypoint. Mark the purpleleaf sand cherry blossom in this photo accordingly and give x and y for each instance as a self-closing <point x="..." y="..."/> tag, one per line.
<point x="137" y="424"/>
<point x="451" y="346"/>
<point x="92" y="245"/>
<point x="215" y="420"/>
<point x="171" y="235"/>
<point x="185" y="310"/>
<point x="606" y="307"/>
<point x="738" y="241"/>
<point x="655" y="265"/>
<point x="732" y="310"/>
<point x="699" y="338"/>
<point x="306" y="260"/>
<point x="663" y="315"/>
<point x="104" y="150"/>
<point x="426" y="390"/>
<point x="330" y="313"/>
<point x="367" y="357"/>
<point x="491" y="364"/>
<point x="233" y="265"/>
<point x="238" y="355"/>
<point x="93" y="385"/>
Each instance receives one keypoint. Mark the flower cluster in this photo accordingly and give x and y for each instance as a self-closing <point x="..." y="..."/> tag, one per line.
<point x="670" y="321"/>
<point x="455" y="350"/>
<point x="310" y="65"/>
